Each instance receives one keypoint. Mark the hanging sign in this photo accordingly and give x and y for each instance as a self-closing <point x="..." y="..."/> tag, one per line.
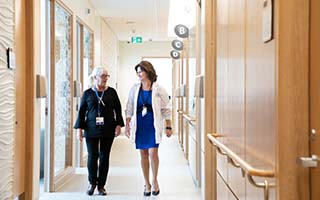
<point x="177" y="44"/>
<point x="181" y="31"/>
<point x="175" y="54"/>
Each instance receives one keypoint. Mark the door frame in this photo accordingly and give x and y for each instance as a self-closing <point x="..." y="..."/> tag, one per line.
<point x="80" y="159"/>
<point x="314" y="94"/>
<point x="56" y="182"/>
<point x="210" y="79"/>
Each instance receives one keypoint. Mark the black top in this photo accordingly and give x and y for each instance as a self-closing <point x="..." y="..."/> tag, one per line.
<point x="110" y="111"/>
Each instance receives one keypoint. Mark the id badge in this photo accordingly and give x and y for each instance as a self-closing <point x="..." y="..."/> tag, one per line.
<point x="144" y="111"/>
<point x="99" y="121"/>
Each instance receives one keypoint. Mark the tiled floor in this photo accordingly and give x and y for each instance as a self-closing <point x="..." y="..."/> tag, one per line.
<point x="125" y="181"/>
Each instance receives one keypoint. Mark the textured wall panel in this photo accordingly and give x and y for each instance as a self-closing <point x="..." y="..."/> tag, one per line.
<point x="6" y="29"/>
<point x="7" y="101"/>
<point x="7" y="118"/>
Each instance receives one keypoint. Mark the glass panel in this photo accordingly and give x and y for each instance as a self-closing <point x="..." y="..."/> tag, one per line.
<point x="87" y="66"/>
<point x="62" y="98"/>
<point x="87" y="57"/>
<point x="78" y="51"/>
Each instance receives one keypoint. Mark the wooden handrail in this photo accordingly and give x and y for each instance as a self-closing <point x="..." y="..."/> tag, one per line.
<point x="180" y="111"/>
<point x="246" y="168"/>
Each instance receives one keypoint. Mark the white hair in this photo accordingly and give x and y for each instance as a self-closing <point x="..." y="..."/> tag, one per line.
<point x="99" y="70"/>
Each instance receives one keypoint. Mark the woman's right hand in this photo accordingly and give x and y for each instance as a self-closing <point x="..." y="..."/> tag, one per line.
<point x="127" y="131"/>
<point x="80" y="135"/>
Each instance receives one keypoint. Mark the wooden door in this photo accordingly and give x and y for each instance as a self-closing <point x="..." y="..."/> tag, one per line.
<point x="315" y="96"/>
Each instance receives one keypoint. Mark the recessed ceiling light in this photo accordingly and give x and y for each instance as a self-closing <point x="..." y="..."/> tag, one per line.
<point x="130" y="22"/>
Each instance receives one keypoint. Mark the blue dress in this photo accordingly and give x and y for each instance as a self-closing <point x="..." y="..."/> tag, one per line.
<point x="145" y="135"/>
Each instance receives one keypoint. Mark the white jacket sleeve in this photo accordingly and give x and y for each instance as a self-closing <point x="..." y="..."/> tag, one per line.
<point x="130" y="104"/>
<point x="165" y="104"/>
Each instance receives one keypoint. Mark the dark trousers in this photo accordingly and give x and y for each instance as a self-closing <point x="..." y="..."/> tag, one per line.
<point x="98" y="148"/>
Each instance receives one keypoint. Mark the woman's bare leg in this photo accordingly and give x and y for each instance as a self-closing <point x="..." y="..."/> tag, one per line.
<point x="145" y="168"/>
<point x="154" y="158"/>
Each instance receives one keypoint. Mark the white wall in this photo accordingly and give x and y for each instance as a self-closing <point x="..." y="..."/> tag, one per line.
<point x="132" y="54"/>
<point x="109" y="52"/>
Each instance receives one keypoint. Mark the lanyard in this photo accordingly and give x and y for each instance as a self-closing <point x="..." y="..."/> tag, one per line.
<point x="99" y="99"/>
<point x="144" y="100"/>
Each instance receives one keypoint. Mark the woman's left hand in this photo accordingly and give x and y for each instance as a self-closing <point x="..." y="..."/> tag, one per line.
<point x="168" y="132"/>
<point x="117" y="131"/>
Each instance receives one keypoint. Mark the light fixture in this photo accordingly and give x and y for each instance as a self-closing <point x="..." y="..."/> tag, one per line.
<point x="88" y="11"/>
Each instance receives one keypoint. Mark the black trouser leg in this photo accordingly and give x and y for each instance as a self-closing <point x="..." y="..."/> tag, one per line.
<point x="104" y="155"/>
<point x="92" y="164"/>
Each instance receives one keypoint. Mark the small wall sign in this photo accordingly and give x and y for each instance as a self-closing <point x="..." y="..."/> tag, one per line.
<point x="267" y="18"/>
<point x="175" y="54"/>
<point x="181" y="31"/>
<point x="177" y="45"/>
<point x="11" y="59"/>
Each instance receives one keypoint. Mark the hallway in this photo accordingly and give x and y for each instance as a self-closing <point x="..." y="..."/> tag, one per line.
<point x="242" y="78"/>
<point x="125" y="180"/>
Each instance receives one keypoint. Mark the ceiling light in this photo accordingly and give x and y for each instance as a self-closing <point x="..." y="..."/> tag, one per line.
<point x="130" y="22"/>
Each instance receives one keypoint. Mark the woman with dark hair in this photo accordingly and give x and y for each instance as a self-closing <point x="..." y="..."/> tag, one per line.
<point x="101" y="119"/>
<point x="147" y="107"/>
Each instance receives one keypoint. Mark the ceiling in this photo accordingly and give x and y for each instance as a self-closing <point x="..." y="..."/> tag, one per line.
<point x="145" y="18"/>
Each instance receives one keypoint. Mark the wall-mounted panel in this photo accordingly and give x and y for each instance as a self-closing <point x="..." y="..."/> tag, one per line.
<point x="6" y="29"/>
<point x="193" y="156"/>
<point x="235" y="126"/>
<point x="245" y="90"/>
<point x="260" y="95"/>
<point x="222" y="64"/>
<point x="7" y="101"/>
<point x="7" y="119"/>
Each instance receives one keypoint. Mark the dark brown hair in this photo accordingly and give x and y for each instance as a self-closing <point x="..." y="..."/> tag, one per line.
<point x="149" y="69"/>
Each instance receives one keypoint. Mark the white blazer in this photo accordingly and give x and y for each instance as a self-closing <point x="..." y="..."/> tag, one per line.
<point x="161" y="107"/>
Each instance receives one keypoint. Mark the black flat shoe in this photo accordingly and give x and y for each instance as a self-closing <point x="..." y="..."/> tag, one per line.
<point x="102" y="191"/>
<point x="146" y="194"/>
<point x="155" y="193"/>
<point x="90" y="190"/>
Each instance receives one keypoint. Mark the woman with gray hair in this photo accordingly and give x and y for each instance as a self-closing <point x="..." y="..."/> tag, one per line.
<point x="101" y="119"/>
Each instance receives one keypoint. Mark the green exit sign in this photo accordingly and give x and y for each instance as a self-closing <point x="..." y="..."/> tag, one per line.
<point x="136" y="40"/>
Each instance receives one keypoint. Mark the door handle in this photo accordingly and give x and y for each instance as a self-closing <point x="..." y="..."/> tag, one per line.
<point x="312" y="161"/>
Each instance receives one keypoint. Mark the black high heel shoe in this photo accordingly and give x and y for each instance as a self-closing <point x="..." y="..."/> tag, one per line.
<point x="155" y="193"/>
<point x="145" y="193"/>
